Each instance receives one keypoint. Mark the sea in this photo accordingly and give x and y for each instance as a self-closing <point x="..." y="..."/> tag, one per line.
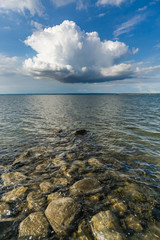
<point x="122" y="136"/>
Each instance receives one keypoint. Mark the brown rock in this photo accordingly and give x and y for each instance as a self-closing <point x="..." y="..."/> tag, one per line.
<point x="35" y="225"/>
<point x="61" y="213"/>
<point x="4" y="209"/>
<point x="35" y="200"/>
<point x="86" y="186"/>
<point x="13" y="178"/>
<point x="14" y="195"/>
<point x="105" y="225"/>
<point x="46" y="187"/>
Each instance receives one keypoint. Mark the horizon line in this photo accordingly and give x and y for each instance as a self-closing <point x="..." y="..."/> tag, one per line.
<point x="77" y="93"/>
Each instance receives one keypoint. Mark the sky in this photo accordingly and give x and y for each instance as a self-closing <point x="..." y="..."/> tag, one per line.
<point x="79" y="46"/>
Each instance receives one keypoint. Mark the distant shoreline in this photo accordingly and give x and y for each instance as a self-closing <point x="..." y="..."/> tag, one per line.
<point x="5" y="94"/>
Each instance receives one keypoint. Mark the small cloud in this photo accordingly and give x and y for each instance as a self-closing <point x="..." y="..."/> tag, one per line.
<point x="129" y="25"/>
<point x="135" y="50"/>
<point x="111" y="2"/>
<point x="142" y="9"/>
<point x="101" y="15"/>
<point x="36" y="25"/>
<point x="68" y="54"/>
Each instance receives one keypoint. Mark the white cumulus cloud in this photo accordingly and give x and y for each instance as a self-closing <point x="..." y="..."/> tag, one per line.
<point x="33" y="6"/>
<point x="110" y="2"/>
<point x="68" y="54"/>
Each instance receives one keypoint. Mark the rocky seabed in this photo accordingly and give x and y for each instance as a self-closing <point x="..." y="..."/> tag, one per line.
<point x="62" y="191"/>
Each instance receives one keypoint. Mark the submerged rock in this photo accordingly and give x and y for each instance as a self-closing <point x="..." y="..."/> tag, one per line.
<point x="4" y="210"/>
<point x="13" y="178"/>
<point x="14" y="195"/>
<point x="133" y="223"/>
<point x="94" y="162"/>
<point x="61" y="213"/>
<point x="61" y="181"/>
<point x="105" y="225"/>
<point x="47" y="187"/>
<point x="83" y="233"/>
<point x="35" y="200"/>
<point x="54" y="196"/>
<point x="118" y="207"/>
<point x="35" y="225"/>
<point x="56" y="131"/>
<point x="86" y="186"/>
<point x="81" y="132"/>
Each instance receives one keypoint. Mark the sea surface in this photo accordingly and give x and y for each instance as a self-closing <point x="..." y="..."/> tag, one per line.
<point x="123" y="134"/>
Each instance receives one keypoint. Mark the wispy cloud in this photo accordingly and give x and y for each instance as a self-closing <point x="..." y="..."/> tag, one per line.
<point x="129" y="25"/>
<point x="142" y="9"/>
<point x="111" y="2"/>
<point x="34" y="7"/>
<point x="36" y="25"/>
<point x="61" y="3"/>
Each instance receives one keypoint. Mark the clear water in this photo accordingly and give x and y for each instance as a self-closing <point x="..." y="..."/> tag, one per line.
<point x="123" y="132"/>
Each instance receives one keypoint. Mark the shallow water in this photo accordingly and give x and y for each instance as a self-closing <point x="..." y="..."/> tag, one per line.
<point x="123" y="134"/>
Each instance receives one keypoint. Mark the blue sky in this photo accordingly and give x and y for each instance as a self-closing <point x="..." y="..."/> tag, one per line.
<point x="80" y="46"/>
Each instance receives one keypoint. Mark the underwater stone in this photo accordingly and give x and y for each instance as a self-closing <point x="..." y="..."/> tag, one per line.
<point x="35" y="200"/>
<point x="86" y="186"/>
<point x="14" y="195"/>
<point x="13" y="178"/>
<point x="105" y="225"/>
<point x="35" y="225"/>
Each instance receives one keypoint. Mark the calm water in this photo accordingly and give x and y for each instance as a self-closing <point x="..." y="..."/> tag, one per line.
<point x="123" y="132"/>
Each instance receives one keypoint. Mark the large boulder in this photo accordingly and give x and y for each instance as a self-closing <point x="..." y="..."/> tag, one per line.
<point x="35" y="225"/>
<point x="86" y="186"/>
<point x="14" y="195"/>
<point x="61" y="213"/>
<point x="105" y="225"/>
<point x="13" y="178"/>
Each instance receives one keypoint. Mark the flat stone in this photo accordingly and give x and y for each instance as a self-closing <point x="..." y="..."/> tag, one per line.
<point x="4" y="209"/>
<point x="105" y="225"/>
<point x="15" y="194"/>
<point x="35" y="200"/>
<point x="61" y="213"/>
<point x="86" y="186"/>
<point x="13" y="178"/>
<point x="35" y="225"/>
